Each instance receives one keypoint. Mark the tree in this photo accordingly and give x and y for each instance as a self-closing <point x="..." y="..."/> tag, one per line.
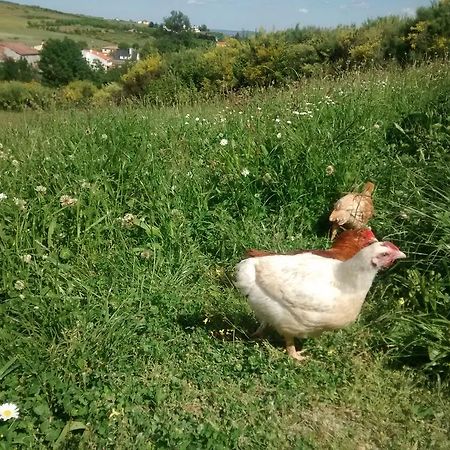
<point x="177" y="21"/>
<point x="17" y="70"/>
<point x="203" y="28"/>
<point x="62" y="62"/>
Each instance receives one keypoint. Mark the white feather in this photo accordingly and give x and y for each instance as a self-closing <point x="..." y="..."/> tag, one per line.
<point x="305" y="294"/>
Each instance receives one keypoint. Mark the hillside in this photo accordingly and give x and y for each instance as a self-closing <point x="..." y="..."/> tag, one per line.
<point x="32" y="25"/>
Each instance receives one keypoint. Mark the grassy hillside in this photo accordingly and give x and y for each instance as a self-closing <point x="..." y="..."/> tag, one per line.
<point x="14" y="25"/>
<point x="120" y="325"/>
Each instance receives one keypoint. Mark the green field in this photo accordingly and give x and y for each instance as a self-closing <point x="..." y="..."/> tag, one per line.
<point x="125" y="332"/>
<point x="14" y="26"/>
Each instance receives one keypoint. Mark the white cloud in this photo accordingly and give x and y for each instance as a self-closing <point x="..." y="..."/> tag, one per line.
<point x="303" y="10"/>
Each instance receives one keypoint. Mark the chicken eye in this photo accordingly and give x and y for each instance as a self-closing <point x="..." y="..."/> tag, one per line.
<point x="384" y="254"/>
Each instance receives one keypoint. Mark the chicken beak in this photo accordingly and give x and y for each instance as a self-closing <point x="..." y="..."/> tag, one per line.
<point x="399" y="255"/>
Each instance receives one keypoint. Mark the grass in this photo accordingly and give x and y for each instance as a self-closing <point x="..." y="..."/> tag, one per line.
<point x="129" y="333"/>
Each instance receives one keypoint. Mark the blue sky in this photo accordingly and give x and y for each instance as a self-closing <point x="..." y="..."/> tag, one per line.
<point x="241" y="14"/>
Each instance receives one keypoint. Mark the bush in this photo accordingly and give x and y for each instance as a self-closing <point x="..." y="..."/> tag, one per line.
<point x="110" y="94"/>
<point x="17" y="96"/>
<point x="79" y="92"/>
<point x="137" y="79"/>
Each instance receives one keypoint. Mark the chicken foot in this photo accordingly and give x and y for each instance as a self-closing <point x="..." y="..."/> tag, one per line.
<point x="291" y="350"/>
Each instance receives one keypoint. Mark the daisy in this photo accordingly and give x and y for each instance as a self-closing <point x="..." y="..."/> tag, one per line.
<point x="3" y="196"/>
<point x="223" y="142"/>
<point x="245" y="172"/>
<point x="9" y="411"/>
<point x="279" y="135"/>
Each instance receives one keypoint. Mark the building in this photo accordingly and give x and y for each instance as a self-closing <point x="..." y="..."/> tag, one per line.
<point x="122" y="55"/>
<point x="96" y="59"/>
<point x="107" y="50"/>
<point x="17" y="51"/>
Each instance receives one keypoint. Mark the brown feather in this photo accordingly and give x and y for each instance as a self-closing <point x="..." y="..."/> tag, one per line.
<point x="346" y="245"/>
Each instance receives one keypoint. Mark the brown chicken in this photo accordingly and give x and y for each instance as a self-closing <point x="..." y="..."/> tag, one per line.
<point x="352" y="211"/>
<point x="346" y="245"/>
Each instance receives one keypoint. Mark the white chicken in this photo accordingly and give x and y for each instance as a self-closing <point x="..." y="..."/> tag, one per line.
<point x="304" y="295"/>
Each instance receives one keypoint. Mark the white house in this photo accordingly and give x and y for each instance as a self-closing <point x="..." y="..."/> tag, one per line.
<point x="95" y="58"/>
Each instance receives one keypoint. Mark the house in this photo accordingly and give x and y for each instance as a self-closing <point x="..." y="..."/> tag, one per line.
<point x="122" y="55"/>
<point x="96" y="59"/>
<point x="108" y="49"/>
<point x="17" y="51"/>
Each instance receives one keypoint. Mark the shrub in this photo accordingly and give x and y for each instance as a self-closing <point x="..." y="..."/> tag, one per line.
<point x="17" y="96"/>
<point x="79" y="92"/>
<point x="110" y="94"/>
<point x="136" y="80"/>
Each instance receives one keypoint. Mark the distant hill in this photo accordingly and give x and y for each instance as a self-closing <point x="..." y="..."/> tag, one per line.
<point x="33" y="24"/>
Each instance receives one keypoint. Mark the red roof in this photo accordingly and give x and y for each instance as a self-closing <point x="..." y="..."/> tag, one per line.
<point x="99" y="55"/>
<point x="20" y="49"/>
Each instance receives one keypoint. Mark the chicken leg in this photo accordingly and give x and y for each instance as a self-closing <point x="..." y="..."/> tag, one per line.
<point x="291" y="350"/>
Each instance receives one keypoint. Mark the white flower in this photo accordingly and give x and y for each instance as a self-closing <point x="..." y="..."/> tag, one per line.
<point x="295" y="112"/>
<point x="19" y="285"/>
<point x="9" y="411"/>
<point x="20" y="203"/>
<point x="145" y="254"/>
<point x="128" y="220"/>
<point x="197" y="119"/>
<point x="104" y="136"/>
<point x="40" y="189"/>
<point x="277" y="120"/>
<point x="186" y="123"/>
<point x="279" y="135"/>
<point x="223" y="142"/>
<point x="26" y="258"/>
<point x="3" y="196"/>
<point x="376" y="126"/>
<point x="15" y="163"/>
<point x="67" y="200"/>
<point x="288" y="122"/>
<point x="329" y="170"/>
<point x="245" y="172"/>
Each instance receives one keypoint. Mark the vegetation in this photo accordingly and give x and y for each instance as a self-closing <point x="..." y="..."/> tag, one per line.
<point x="191" y="65"/>
<point x="121" y="226"/>
<point x="62" y="62"/>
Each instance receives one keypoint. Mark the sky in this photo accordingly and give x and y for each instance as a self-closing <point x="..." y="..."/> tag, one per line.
<point x="240" y="14"/>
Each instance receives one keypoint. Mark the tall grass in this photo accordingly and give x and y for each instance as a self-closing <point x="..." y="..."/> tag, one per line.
<point x="120" y="325"/>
